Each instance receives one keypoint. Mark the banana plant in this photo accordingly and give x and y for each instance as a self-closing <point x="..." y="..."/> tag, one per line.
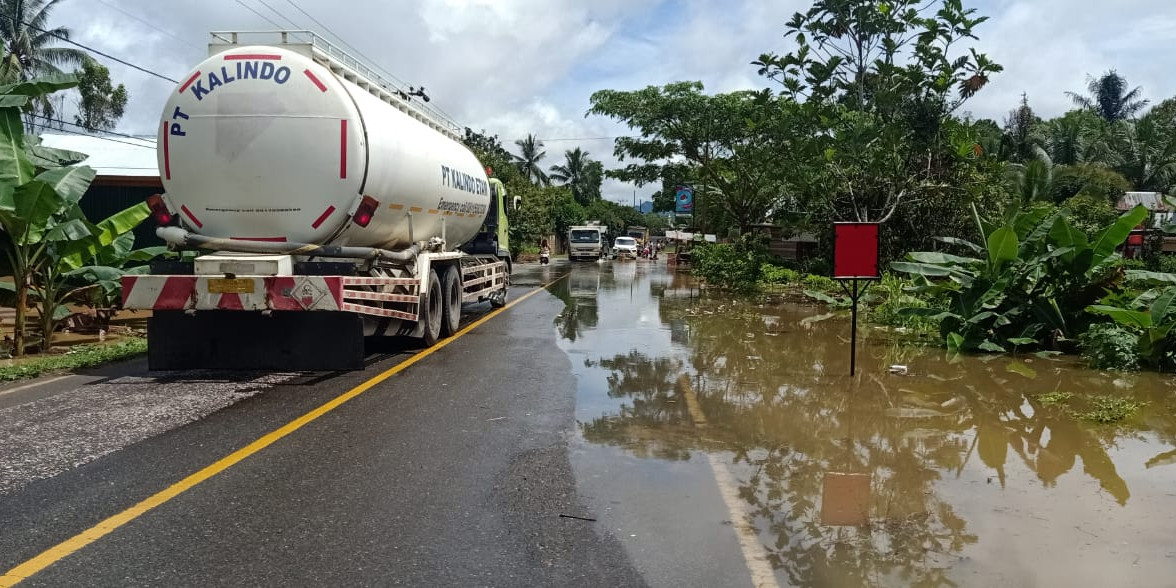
<point x="1153" y="316"/>
<point x="1023" y="287"/>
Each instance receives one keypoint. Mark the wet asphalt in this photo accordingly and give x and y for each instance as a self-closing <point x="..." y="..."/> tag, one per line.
<point x="454" y="472"/>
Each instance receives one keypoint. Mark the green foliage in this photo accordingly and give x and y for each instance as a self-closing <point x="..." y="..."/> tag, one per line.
<point x="875" y="87"/>
<point x="530" y="154"/>
<point x="1090" y="214"/>
<point x="820" y="283"/>
<point x="1109" y="409"/>
<point x="728" y="145"/>
<point x="734" y="266"/>
<point x="899" y="293"/>
<point x="1166" y="264"/>
<point x="581" y="174"/>
<point x="82" y="356"/>
<point x="774" y="274"/>
<point x="1026" y="287"/>
<point x="1088" y="179"/>
<point x="1109" y="97"/>
<point x="1109" y="346"/>
<point x="102" y="104"/>
<point x="1055" y="397"/>
<point x="1150" y="315"/>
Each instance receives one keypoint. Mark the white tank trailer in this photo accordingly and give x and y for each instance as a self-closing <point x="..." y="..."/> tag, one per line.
<point x="329" y="203"/>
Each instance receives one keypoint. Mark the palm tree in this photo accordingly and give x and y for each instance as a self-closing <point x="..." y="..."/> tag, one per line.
<point x="1147" y="153"/>
<point x="528" y="162"/>
<point x="1032" y="181"/>
<point x="27" y="46"/>
<point x="1109" y="97"/>
<point x="575" y="174"/>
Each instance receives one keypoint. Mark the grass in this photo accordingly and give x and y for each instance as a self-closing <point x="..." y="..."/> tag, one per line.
<point x="82" y="356"/>
<point x="1109" y="409"/>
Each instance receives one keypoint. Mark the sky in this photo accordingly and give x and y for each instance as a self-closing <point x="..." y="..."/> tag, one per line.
<point x="513" y="67"/>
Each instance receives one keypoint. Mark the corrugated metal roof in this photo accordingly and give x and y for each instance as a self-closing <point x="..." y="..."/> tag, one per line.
<point x="1153" y="201"/>
<point x="110" y="156"/>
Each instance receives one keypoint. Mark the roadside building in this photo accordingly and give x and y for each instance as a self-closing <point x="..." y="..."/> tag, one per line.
<point x="1162" y="214"/>
<point x="127" y="173"/>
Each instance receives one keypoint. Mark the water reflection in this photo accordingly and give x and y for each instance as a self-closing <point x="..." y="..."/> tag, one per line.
<point x="770" y="385"/>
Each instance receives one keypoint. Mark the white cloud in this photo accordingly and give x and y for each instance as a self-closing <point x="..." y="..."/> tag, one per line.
<point x="514" y="67"/>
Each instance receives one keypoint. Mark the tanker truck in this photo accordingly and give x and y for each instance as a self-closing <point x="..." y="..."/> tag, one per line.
<point x="327" y="203"/>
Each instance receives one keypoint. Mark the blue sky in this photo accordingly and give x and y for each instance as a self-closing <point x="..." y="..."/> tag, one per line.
<point x="519" y="66"/>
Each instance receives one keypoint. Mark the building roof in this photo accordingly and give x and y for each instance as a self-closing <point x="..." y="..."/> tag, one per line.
<point x="110" y="156"/>
<point x="1153" y="201"/>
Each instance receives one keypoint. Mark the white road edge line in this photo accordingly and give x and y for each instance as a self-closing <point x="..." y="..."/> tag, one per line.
<point x="754" y="553"/>
<point x="34" y="384"/>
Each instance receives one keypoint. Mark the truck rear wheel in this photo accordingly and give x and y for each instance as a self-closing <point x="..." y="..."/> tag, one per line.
<point x="451" y="308"/>
<point x="431" y="307"/>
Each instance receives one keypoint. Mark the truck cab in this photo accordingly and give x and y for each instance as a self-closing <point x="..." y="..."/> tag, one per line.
<point x="589" y="242"/>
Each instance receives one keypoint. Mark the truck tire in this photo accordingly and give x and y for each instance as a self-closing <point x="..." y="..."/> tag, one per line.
<point x="451" y="307"/>
<point x="432" y="310"/>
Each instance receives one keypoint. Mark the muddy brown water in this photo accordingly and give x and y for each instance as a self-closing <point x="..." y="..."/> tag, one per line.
<point x="954" y="471"/>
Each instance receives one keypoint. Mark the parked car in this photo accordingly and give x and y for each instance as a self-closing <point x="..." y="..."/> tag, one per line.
<point x="625" y="247"/>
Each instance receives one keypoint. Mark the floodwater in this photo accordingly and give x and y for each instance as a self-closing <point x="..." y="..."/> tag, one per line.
<point x="724" y="443"/>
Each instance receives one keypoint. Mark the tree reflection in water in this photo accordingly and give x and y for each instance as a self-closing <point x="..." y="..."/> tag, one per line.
<point x="773" y="393"/>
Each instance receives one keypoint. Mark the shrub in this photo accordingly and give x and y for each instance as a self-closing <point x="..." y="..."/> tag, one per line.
<point x="1166" y="264"/>
<point x="897" y="297"/>
<point x="1108" y="346"/>
<point x="736" y="266"/>
<point x="820" y="283"/>
<point x="774" y="274"/>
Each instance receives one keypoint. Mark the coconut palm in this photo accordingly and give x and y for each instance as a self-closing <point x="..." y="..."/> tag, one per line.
<point x="1109" y="97"/>
<point x="1032" y="181"/>
<point x="1146" y="151"/>
<point x="531" y="153"/>
<point x="575" y="174"/>
<point x="28" y="51"/>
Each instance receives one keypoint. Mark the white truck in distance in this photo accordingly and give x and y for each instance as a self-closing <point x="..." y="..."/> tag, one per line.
<point x="588" y="242"/>
<point x="330" y="204"/>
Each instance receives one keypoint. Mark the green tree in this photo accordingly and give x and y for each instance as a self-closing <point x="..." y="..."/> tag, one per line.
<point x="578" y="174"/>
<point x="1021" y="132"/>
<point x="29" y="50"/>
<point x="732" y="143"/>
<point x="876" y="84"/>
<point x="1075" y="137"/>
<point x="1145" y="152"/>
<point x="1088" y="179"/>
<point x="1109" y="97"/>
<point x="101" y="104"/>
<point x="531" y="153"/>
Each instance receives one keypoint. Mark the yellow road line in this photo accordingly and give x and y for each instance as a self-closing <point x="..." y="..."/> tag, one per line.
<point x="61" y="550"/>
<point x="754" y="553"/>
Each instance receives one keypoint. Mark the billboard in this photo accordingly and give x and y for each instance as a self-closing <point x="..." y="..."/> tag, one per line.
<point x="684" y="200"/>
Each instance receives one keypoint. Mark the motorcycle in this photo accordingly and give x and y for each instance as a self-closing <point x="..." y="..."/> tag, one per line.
<point x="544" y="256"/>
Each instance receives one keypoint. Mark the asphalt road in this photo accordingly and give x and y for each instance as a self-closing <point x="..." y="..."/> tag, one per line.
<point x="452" y="472"/>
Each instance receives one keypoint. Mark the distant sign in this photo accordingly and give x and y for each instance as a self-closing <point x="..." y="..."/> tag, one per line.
<point x="855" y="251"/>
<point x="684" y="200"/>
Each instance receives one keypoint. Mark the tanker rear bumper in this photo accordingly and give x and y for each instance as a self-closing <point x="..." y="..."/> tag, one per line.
<point x="234" y="340"/>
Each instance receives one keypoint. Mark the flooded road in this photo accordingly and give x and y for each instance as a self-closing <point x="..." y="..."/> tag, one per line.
<point x="725" y="444"/>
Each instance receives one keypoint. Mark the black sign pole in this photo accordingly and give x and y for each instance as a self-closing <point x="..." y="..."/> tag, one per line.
<point x="853" y="333"/>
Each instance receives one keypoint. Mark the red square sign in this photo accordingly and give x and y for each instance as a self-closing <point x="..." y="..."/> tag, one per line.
<point x="855" y="250"/>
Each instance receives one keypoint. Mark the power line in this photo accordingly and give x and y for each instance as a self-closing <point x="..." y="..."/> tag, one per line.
<point x="90" y="49"/>
<point x="156" y="27"/>
<point x="584" y="138"/>
<point x="263" y="17"/>
<point x="102" y="138"/>
<point x="64" y="122"/>
<point x="280" y="15"/>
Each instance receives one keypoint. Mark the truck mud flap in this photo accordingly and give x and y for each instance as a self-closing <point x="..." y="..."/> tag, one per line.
<point x="235" y="340"/>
